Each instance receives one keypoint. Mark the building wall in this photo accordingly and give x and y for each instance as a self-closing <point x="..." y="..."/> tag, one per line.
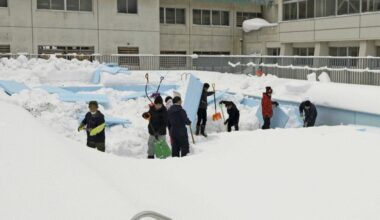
<point x="25" y="27"/>
<point x="191" y="37"/>
<point x="362" y="30"/>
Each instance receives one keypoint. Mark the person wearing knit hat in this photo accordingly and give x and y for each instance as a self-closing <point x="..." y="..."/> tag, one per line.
<point x="158" y="118"/>
<point x="267" y="107"/>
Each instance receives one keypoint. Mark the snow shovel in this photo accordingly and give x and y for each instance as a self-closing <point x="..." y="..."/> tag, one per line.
<point x="162" y="149"/>
<point x="217" y="116"/>
<point x="221" y="109"/>
<point x="146" y="87"/>
<point x="192" y="135"/>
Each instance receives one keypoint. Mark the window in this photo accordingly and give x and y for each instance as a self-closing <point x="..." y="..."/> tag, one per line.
<point x="273" y="51"/>
<point x="174" y="62"/>
<point x="348" y="7"/>
<point x="303" y="51"/>
<point x="370" y="5"/>
<point x="298" y="9"/>
<point x="242" y="16"/>
<point x="127" y="6"/>
<point x="207" y="17"/>
<point x="212" y="52"/>
<point x="325" y="8"/>
<point x="172" y="16"/>
<point x="344" y="51"/>
<point x="51" y="4"/>
<point x="79" y="5"/>
<point x="71" y="5"/>
<point x="3" y="3"/>
<point x="5" y="48"/>
<point x="131" y="61"/>
<point x="83" y="52"/>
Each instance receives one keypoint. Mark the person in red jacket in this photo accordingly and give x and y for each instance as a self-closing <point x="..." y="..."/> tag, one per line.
<point x="267" y="107"/>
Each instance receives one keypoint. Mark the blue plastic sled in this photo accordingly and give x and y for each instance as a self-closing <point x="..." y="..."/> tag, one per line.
<point x="192" y="97"/>
<point x="218" y="96"/>
<point x="279" y="119"/>
<point x="11" y="87"/>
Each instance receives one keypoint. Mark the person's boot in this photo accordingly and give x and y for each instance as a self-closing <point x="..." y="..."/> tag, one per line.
<point x="203" y="127"/>
<point x="151" y="157"/>
<point x="197" y="130"/>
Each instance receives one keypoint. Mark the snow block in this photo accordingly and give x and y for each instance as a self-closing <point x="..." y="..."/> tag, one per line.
<point x="279" y="119"/>
<point x="136" y="88"/>
<point x="67" y="96"/>
<point x="218" y="96"/>
<point x="100" y="98"/>
<point x="11" y="87"/>
<point x="192" y="97"/>
<point x="109" y="69"/>
<point x="112" y="121"/>
<point x="250" y="102"/>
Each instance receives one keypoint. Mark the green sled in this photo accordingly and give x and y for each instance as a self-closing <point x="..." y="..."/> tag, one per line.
<point x="162" y="149"/>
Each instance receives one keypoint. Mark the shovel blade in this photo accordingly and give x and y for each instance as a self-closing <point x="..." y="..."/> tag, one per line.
<point x="217" y="116"/>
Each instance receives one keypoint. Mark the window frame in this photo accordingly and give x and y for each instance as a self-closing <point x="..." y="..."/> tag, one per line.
<point x="211" y="14"/>
<point x="127" y="7"/>
<point x="164" y="9"/>
<point x="65" y="7"/>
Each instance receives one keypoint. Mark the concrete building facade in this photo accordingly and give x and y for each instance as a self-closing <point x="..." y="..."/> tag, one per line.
<point x="121" y="26"/>
<point x="320" y="28"/>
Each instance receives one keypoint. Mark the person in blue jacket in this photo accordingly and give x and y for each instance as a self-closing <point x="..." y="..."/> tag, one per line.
<point x="177" y="121"/>
<point x="94" y="124"/>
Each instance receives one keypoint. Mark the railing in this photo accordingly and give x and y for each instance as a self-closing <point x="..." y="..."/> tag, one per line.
<point x="150" y="214"/>
<point x="354" y="70"/>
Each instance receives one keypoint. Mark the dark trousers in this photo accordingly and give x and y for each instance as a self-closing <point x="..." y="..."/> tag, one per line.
<point x="266" y="123"/>
<point x="230" y="125"/>
<point x="180" y="146"/>
<point x="309" y="124"/>
<point x="202" y="117"/>
<point x="101" y="146"/>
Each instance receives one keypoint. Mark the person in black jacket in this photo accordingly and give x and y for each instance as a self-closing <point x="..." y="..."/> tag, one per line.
<point x="308" y="113"/>
<point x="177" y="121"/>
<point x="202" y="111"/>
<point x="233" y="115"/>
<point x="94" y="124"/>
<point x="158" y="117"/>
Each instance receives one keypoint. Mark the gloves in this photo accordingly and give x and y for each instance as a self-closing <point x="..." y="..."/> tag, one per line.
<point x="146" y="115"/>
<point x="81" y="127"/>
<point x="156" y="136"/>
<point x="221" y="102"/>
<point x="276" y="104"/>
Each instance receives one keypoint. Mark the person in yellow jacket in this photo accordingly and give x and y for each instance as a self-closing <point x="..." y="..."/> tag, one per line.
<point x="94" y="124"/>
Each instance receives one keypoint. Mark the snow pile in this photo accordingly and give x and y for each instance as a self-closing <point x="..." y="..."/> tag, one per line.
<point x="324" y="77"/>
<point x="312" y="77"/>
<point x="244" y="175"/>
<point x="256" y="24"/>
<point x="53" y="70"/>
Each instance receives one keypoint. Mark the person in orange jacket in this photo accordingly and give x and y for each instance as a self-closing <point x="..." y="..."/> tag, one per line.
<point x="267" y="107"/>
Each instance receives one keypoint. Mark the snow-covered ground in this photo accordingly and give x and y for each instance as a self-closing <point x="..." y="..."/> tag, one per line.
<point x="48" y="173"/>
<point x="292" y="174"/>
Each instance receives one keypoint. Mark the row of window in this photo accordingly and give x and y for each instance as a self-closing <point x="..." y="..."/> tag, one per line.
<point x="123" y="6"/>
<point x="204" y="17"/>
<point x="301" y="9"/>
<point x="333" y="51"/>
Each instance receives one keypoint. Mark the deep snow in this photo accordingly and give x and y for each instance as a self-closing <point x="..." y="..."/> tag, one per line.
<point x="315" y="173"/>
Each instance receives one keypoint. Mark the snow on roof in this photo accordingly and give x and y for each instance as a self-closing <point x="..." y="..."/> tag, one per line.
<point x="256" y="24"/>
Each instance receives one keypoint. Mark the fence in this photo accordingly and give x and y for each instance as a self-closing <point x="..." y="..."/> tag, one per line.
<point x="354" y="70"/>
